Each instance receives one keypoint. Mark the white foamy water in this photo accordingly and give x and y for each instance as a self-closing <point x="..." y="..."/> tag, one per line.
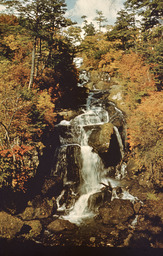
<point x="92" y="173"/>
<point x="90" y="181"/>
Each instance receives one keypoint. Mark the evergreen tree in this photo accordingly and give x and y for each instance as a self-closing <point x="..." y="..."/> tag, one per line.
<point x="124" y="30"/>
<point x="100" y="19"/>
<point x="151" y="13"/>
<point x="150" y="10"/>
<point x="73" y="34"/>
<point x="89" y="29"/>
<point x="42" y="18"/>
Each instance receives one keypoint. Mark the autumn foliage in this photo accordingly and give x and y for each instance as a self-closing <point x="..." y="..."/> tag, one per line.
<point x="133" y="68"/>
<point x="145" y="131"/>
<point x="14" y="167"/>
<point x="27" y="114"/>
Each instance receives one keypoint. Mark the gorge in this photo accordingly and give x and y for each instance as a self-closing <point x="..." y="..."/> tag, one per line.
<point x="88" y="199"/>
<point x="91" y="181"/>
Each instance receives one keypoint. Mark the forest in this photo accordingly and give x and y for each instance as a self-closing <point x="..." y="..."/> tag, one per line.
<point x="38" y="79"/>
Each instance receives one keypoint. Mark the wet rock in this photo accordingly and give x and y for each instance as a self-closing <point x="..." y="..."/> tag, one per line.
<point x="89" y="85"/>
<point x="101" y="85"/>
<point x="117" y="211"/>
<point x="67" y="114"/>
<point x="39" y="209"/>
<point x="9" y="226"/>
<point x="98" y="199"/>
<point x="115" y="115"/>
<point x="73" y="164"/>
<point x="69" y="164"/>
<point x="100" y="138"/>
<point x="60" y="225"/>
<point x="35" y="229"/>
<point x="137" y="207"/>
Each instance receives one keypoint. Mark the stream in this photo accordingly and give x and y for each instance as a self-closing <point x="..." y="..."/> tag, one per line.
<point x="85" y="183"/>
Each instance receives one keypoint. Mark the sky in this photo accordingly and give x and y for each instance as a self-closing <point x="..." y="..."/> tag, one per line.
<point x="78" y="8"/>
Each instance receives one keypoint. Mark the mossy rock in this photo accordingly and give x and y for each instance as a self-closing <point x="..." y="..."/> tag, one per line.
<point x="10" y="226"/>
<point x="116" y="212"/>
<point x="35" y="230"/>
<point x="60" y="225"/>
<point x="100" y="138"/>
<point x="39" y="209"/>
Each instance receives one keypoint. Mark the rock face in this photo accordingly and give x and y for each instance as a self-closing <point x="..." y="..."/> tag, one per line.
<point x="60" y="225"/>
<point x="116" y="212"/>
<point x="100" y="138"/>
<point x="9" y="225"/>
<point x="68" y="167"/>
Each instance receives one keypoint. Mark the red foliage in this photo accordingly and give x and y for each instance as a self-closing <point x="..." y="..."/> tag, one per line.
<point x="133" y="68"/>
<point x="15" y="159"/>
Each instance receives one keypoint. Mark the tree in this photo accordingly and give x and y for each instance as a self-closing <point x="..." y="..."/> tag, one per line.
<point x="124" y="30"/>
<point x="73" y="33"/>
<point x="89" y="29"/>
<point x="150" y="10"/>
<point x="137" y="78"/>
<point x="145" y="130"/>
<point x="100" y="19"/>
<point x="42" y="18"/>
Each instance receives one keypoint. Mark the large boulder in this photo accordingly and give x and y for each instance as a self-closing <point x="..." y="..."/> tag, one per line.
<point x="116" y="212"/>
<point x="35" y="229"/>
<point x="100" y="138"/>
<point x="39" y="208"/>
<point x="9" y="226"/>
<point x="115" y="114"/>
<point x="67" y="114"/>
<point x="60" y="225"/>
<point x="98" y="199"/>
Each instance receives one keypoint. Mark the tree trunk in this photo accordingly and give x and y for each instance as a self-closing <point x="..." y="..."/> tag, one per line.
<point x="38" y="57"/>
<point x="33" y="64"/>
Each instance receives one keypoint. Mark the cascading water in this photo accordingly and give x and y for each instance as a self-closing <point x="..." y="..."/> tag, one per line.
<point x="92" y="174"/>
<point x="85" y="176"/>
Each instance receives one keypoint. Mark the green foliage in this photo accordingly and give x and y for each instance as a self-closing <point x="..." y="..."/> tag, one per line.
<point x="150" y="10"/>
<point x="152" y="196"/>
<point x="151" y="34"/>
<point x="89" y="29"/>
<point x="124" y="30"/>
<point x="73" y="34"/>
<point x="100" y="19"/>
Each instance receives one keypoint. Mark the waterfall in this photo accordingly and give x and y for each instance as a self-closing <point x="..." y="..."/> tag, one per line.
<point x="92" y="174"/>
